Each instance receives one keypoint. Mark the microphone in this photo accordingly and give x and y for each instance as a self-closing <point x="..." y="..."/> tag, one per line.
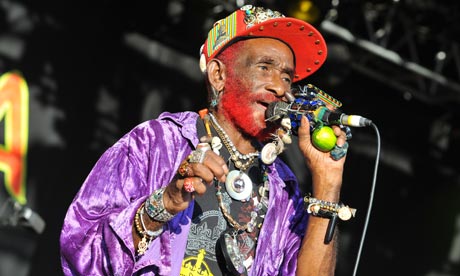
<point x="312" y="104"/>
<point x="321" y="110"/>
<point x="21" y="215"/>
<point x="328" y="117"/>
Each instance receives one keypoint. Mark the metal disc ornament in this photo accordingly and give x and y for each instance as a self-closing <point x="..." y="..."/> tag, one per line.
<point x="269" y="153"/>
<point x="238" y="185"/>
<point x="231" y="253"/>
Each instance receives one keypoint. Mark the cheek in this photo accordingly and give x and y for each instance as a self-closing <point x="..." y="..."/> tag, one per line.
<point x="236" y="103"/>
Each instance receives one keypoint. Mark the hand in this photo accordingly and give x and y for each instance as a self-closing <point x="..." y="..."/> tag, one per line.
<point x="326" y="172"/>
<point x="200" y="175"/>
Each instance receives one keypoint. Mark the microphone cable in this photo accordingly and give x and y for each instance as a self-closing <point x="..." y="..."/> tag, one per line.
<point x="371" y="199"/>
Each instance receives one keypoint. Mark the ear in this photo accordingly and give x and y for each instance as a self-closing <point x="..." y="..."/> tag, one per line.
<point x="216" y="74"/>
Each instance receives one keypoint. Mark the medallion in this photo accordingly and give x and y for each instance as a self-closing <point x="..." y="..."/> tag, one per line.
<point x="238" y="185"/>
<point x="269" y="153"/>
<point x="231" y="252"/>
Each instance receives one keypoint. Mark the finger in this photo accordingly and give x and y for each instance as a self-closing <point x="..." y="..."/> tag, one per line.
<point x="212" y="167"/>
<point x="193" y="185"/>
<point x="337" y="130"/>
<point x="341" y="135"/>
<point x="204" y="163"/>
<point x="304" y="129"/>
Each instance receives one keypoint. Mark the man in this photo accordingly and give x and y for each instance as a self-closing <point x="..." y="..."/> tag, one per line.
<point x="199" y="195"/>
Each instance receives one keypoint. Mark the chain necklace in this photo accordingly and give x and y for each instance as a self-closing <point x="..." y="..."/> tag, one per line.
<point x="237" y="157"/>
<point x="260" y="206"/>
<point x="237" y="262"/>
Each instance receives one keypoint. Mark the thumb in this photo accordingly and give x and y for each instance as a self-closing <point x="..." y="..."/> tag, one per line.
<point x="305" y="144"/>
<point x="304" y="129"/>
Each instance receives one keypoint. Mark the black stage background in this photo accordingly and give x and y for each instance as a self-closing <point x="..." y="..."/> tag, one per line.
<point x="95" y="69"/>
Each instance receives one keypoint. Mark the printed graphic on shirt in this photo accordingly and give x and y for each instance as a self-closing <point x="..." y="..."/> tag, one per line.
<point x="195" y="266"/>
<point x="207" y="226"/>
<point x="200" y="254"/>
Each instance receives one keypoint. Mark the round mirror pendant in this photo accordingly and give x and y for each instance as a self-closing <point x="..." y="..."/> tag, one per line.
<point x="238" y="185"/>
<point x="269" y="153"/>
<point x="234" y="259"/>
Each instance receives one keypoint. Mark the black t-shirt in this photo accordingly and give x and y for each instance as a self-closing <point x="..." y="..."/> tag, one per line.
<point x="203" y="255"/>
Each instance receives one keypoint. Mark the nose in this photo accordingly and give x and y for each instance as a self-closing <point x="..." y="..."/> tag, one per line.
<point x="278" y="86"/>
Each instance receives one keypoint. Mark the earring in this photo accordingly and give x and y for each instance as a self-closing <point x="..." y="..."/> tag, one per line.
<point x="214" y="100"/>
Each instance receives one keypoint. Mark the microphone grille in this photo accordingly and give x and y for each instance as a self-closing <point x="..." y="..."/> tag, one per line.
<point x="276" y="110"/>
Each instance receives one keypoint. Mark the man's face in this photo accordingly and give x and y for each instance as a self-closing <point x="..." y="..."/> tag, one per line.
<point x="260" y="73"/>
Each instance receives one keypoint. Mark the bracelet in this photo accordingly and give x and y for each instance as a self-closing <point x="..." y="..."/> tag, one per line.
<point x="144" y="243"/>
<point x="146" y="235"/>
<point x="155" y="208"/>
<point x="326" y="209"/>
<point x="330" y="210"/>
<point x="150" y="233"/>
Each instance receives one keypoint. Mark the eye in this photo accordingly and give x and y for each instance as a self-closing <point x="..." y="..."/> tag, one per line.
<point x="287" y="79"/>
<point x="263" y="67"/>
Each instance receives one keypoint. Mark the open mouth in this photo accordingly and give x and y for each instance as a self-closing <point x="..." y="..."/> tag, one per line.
<point x="264" y="104"/>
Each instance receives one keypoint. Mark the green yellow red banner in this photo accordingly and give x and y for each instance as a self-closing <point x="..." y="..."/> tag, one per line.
<point x="14" y="113"/>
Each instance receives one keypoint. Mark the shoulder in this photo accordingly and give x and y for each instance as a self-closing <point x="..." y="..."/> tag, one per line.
<point x="178" y="120"/>
<point x="168" y="132"/>
<point x="166" y="124"/>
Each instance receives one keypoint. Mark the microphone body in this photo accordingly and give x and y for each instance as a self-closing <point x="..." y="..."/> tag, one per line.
<point x="338" y="118"/>
<point x="311" y="102"/>
<point x="322" y="111"/>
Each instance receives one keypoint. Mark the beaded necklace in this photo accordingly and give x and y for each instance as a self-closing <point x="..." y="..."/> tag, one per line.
<point x="228" y="241"/>
<point x="238" y="184"/>
<point x="236" y="156"/>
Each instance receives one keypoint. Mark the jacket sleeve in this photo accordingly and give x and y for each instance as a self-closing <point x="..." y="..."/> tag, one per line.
<point x="96" y="238"/>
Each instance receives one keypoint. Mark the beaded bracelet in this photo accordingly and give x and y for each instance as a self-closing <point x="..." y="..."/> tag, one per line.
<point x="150" y="233"/>
<point x="327" y="209"/>
<point x="146" y="235"/>
<point x="330" y="210"/>
<point x="144" y="243"/>
<point x="155" y="208"/>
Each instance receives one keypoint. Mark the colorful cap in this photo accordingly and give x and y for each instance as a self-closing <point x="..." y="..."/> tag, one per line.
<point x="306" y="42"/>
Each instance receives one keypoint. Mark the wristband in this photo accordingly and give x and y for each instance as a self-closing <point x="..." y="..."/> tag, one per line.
<point x="155" y="208"/>
<point x="330" y="210"/>
<point x="326" y="209"/>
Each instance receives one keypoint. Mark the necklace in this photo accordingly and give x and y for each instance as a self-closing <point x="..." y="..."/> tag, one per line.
<point x="237" y="157"/>
<point x="259" y="207"/>
<point x="238" y="184"/>
<point x="236" y="261"/>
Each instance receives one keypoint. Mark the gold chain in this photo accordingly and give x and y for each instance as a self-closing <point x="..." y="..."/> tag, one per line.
<point x="235" y="155"/>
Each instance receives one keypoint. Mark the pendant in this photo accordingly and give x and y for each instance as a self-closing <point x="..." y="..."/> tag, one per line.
<point x="269" y="153"/>
<point x="216" y="144"/>
<point x="142" y="246"/>
<point x="238" y="185"/>
<point x="231" y="252"/>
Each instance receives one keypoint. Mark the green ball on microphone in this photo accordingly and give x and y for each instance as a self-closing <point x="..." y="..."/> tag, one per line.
<point x="323" y="138"/>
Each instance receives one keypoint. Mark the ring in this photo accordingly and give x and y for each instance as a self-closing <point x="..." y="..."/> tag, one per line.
<point x="347" y="130"/>
<point x="339" y="151"/>
<point x="197" y="156"/>
<point x="184" y="169"/>
<point x="188" y="185"/>
<point x="203" y="147"/>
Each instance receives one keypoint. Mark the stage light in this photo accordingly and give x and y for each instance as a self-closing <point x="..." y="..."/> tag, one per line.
<point x="305" y="10"/>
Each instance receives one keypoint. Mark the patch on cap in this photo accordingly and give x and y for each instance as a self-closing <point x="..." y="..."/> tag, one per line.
<point x="221" y="33"/>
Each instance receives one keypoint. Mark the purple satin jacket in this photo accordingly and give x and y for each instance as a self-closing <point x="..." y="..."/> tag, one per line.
<point x="96" y="237"/>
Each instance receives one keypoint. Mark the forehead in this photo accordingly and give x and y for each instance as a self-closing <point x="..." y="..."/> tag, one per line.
<point x="268" y="47"/>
